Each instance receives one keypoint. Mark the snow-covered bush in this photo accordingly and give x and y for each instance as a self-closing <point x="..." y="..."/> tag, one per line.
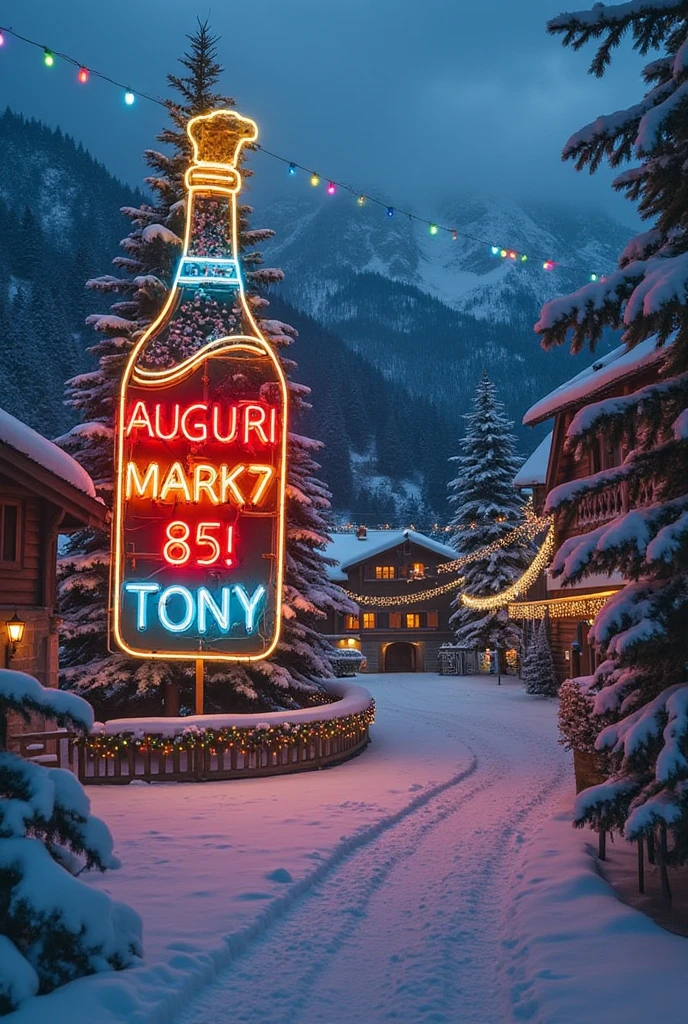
<point x="641" y="689"/>
<point x="538" y="669"/>
<point x="53" y="927"/>
<point x="577" y="726"/>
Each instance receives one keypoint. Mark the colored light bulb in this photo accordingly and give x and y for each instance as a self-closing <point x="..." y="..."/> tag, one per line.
<point x="523" y="257"/>
<point x="331" y="188"/>
<point x="315" y="180"/>
<point x="48" y="59"/>
<point x="361" y="200"/>
<point x="2" y="39"/>
<point x="83" y="75"/>
<point x="433" y="229"/>
<point x="495" y="250"/>
<point x="593" y="277"/>
<point x="547" y="265"/>
<point x="455" y="236"/>
<point x="292" y="170"/>
<point x="502" y="253"/>
<point x="390" y="211"/>
<point x="129" y="98"/>
<point x="512" y="255"/>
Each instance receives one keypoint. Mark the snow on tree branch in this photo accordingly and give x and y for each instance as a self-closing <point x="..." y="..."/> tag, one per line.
<point x="19" y="691"/>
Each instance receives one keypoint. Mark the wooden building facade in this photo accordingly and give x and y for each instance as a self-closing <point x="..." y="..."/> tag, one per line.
<point x="572" y="610"/>
<point x="43" y="493"/>
<point x="389" y="566"/>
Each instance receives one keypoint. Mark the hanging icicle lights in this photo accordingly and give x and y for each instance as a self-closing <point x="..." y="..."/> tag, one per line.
<point x="526" y="531"/>
<point x="538" y="565"/>
<point x="370" y="601"/>
<point x="86" y="72"/>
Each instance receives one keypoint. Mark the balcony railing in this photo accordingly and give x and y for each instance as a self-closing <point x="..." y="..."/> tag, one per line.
<point x="594" y="510"/>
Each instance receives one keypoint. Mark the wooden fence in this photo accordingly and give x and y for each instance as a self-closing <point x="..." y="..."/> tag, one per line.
<point x="196" y="764"/>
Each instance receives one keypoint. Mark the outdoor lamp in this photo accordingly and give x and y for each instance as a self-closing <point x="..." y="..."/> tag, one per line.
<point x="15" y="634"/>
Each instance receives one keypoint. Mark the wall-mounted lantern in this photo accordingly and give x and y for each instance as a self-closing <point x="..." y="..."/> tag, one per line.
<point x="15" y="635"/>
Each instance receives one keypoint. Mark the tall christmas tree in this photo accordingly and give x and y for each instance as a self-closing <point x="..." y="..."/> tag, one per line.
<point x="641" y="631"/>
<point x="114" y="682"/>
<point x="485" y="507"/>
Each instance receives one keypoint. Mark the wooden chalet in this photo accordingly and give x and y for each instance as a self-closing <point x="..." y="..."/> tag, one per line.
<point x="43" y="493"/>
<point x="572" y="610"/>
<point x="391" y="565"/>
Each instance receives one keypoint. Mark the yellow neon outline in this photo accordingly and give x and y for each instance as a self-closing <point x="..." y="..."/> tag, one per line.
<point x="260" y="488"/>
<point x="256" y="344"/>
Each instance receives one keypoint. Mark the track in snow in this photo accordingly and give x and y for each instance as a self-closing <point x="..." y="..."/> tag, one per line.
<point x="403" y="922"/>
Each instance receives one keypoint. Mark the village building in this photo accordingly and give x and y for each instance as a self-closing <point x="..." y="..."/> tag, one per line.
<point x="387" y="567"/>
<point x="43" y="493"/>
<point x="571" y="610"/>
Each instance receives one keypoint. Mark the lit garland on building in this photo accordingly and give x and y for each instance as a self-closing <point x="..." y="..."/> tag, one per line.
<point x="585" y="606"/>
<point x="526" y="531"/>
<point x="508" y="254"/>
<point x="403" y="600"/>
<point x="539" y="563"/>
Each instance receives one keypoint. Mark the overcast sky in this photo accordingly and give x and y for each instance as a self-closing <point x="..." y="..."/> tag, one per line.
<point x="414" y="100"/>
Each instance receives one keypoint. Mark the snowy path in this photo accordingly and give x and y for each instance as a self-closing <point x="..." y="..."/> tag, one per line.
<point x="427" y="881"/>
<point x="409" y="925"/>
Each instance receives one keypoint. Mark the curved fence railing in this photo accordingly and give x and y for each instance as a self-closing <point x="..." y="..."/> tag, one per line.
<point x="203" y="748"/>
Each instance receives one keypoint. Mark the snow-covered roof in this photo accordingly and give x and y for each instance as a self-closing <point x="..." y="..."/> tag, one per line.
<point x="347" y="549"/>
<point x="40" y="450"/>
<point x="534" y="469"/>
<point x="606" y="370"/>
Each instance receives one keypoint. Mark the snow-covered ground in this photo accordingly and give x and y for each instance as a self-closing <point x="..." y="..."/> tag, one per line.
<point x="424" y="881"/>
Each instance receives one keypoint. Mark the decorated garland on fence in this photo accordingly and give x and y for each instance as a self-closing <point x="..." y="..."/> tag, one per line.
<point x="274" y="737"/>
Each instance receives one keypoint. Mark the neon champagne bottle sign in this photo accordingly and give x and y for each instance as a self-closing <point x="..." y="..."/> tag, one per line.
<point x="198" y="540"/>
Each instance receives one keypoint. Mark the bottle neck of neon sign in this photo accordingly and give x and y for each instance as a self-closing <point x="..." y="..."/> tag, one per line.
<point x="198" y="539"/>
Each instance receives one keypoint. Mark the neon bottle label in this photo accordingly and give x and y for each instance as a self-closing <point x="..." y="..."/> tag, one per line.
<point x="198" y="539"/>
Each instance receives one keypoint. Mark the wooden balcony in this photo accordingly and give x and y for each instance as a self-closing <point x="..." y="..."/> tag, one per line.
<point x="594" y="510"/>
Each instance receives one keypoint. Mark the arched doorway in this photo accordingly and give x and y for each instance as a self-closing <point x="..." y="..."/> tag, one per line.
<point x="400" y="657"/>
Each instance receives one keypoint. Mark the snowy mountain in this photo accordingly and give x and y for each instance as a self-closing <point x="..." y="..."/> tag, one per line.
<point x="431" y="312"/>
<point x="323" y="240"/>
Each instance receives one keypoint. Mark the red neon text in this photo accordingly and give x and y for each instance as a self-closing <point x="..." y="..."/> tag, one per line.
<point x="209" y="536"/>
<point x="244" y="422"/>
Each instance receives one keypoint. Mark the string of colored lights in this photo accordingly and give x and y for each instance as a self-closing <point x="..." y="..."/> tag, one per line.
<point x="86" y="71"/>
<point x="539" y="563"/>
<point x="526" y="531"/>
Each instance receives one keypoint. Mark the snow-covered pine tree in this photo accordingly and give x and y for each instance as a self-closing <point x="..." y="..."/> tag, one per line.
<point x="641" y="632"/>
<point x="53" y="927"/>
<point x="484" y="507"/>
<point x="539" y="675"/>
<point x="114" y="682"/>
<point x="528" y="645"/>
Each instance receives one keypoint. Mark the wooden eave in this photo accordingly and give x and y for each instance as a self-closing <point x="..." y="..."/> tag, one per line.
<point x="79" y="509"/>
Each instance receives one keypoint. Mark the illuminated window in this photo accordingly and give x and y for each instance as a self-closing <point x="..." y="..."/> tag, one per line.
<point x="433" y="620"/>
<point x="352" y="622"/>
<point x="385" y="572"/>
<point x="395" y="620"/>
<point x="418" y="569"/>
<point x="369" y="620"/>
<point x="9" y="534"/>
<point x="413" y="620"/>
